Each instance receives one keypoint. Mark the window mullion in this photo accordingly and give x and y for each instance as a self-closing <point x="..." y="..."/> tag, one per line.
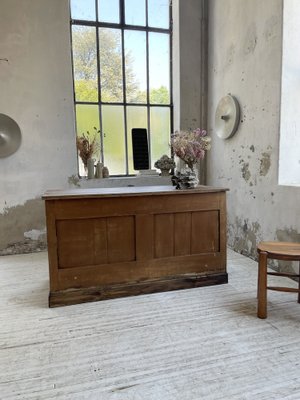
<point x="122" y="20"/>
<point x="125" y="101"/>
<point x="99" y="88"/>
<point x="148" y="85"/>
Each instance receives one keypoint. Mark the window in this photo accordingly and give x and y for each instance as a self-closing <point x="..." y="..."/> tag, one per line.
<point x="122" y="76"/>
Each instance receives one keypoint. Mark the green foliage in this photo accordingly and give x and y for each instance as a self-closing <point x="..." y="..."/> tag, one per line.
<point x="86" y="90"/>
<point x="160" y="96"/>
<point x="85" y="69"/>
<point x="85" y="66"/>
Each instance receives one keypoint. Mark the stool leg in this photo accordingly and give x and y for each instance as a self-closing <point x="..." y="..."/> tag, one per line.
<point x="299" y="285"/>
<point x="262" y="285"/>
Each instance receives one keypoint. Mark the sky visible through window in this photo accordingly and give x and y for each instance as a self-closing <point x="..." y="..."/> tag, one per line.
<point x="158" y="14"/>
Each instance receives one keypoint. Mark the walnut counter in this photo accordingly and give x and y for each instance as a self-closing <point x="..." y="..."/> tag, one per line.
<point x="106" y="243"/>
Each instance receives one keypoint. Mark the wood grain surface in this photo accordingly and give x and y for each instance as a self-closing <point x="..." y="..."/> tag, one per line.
<point x="115" y="239"/>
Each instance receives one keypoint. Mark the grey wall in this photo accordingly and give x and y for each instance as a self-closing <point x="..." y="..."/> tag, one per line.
<point x="245" y="47"/>
<point x="36" y="91"/>
<point x="190" y="19"/>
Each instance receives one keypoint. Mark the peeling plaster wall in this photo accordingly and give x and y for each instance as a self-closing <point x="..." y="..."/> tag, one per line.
<point x="36" y="91"/>
<point x="245" y="60"/>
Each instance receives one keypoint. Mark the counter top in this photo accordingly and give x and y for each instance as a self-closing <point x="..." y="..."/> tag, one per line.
<point x="126" y="192"/>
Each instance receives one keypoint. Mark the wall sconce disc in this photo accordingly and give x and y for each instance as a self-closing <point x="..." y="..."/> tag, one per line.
<point x="227" y="117"/>
<point x="10" y="136"/>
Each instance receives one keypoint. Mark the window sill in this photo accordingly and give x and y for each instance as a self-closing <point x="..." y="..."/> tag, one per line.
<point x="124" y="181"/>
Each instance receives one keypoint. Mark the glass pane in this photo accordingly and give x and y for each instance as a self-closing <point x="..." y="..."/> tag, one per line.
<point x="108" y="11"/>
<point x="135" y="12"/>
<point x="87" y="119"/>
<point x="83" y="9"/>
<point x="136" y="118"/>
<point x="114" y="139"/>
<point x="85" y="63"/>
<point x="111" y="65"/>
<point x="160" y="132"/>
<point x="135" y="66"/>
<point x="158" y="13"/>
<point x="159" y="68"/>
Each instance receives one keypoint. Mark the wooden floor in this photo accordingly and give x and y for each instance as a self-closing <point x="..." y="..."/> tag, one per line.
<point x="203" y="343"/>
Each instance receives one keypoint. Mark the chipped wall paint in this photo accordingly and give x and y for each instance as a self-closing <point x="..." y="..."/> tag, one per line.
<point x="23" y="228"/>
<point x="258" y="208"/>
<point x="265" y="164"/>
<point x="35" y="90"/>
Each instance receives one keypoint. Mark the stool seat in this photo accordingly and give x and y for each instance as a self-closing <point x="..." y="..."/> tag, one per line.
<point x="279" y="251"/>
<point x="283" y="250"/>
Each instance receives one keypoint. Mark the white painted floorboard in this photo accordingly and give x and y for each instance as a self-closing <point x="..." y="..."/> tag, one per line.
<point x="203" y="343"/>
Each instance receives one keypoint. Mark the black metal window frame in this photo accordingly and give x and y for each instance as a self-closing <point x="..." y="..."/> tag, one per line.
<point x="122" y="26"/>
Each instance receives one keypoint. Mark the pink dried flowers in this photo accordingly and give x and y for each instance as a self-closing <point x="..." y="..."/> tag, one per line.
<point x="190" y="145"/>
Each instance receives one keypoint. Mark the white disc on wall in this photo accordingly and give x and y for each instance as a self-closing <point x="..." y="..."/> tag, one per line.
<point x="227" y="117"/>
<point x="10" y="136"/>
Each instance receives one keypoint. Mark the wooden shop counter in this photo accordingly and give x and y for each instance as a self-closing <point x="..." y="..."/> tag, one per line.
<point x="107" y="243"/>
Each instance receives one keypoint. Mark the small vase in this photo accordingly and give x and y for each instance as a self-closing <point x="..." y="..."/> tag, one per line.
<point x="165" y="172"/>
<point x="99" y="170"/>
<point x="91" y="168"/>
<point x="105" y="172"/>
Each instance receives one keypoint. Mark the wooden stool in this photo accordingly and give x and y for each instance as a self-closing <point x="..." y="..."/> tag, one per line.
<point x="278" y="251"/>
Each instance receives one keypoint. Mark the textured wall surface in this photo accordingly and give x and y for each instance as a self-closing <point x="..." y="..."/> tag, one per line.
<point x="245" y="60"/>
<point x="36" y="91"/>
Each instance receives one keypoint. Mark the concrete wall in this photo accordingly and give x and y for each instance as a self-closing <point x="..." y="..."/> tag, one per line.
<point x="245" y="48"/>
<point x="190" y="67"/>
<point x="36" y="91"/>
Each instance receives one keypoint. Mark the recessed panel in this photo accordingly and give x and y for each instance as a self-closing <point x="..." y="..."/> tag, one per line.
<point x="163" y="235"/>
<point x="205" y="236"/>
<point x="182" y="233"/>
<point x="81" y="242"/>
<point x="121" y="239"/>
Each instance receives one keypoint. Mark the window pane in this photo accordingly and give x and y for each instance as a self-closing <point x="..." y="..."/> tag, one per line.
<point x="136" y="118"/>
<point x="108" y="11"/>
<point x="83" y="9"/>
<point x="85" y="63"/>
<point x="135" y="66"/>
<point x="158" y="13"/>
<point x="87" y="119"/>
<point x="114" y="139"/>
<point x="159" y="68"/>
<point x="111" y="65"/>
<point x="160" y="132"/>
<point x="135" y="12"/>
